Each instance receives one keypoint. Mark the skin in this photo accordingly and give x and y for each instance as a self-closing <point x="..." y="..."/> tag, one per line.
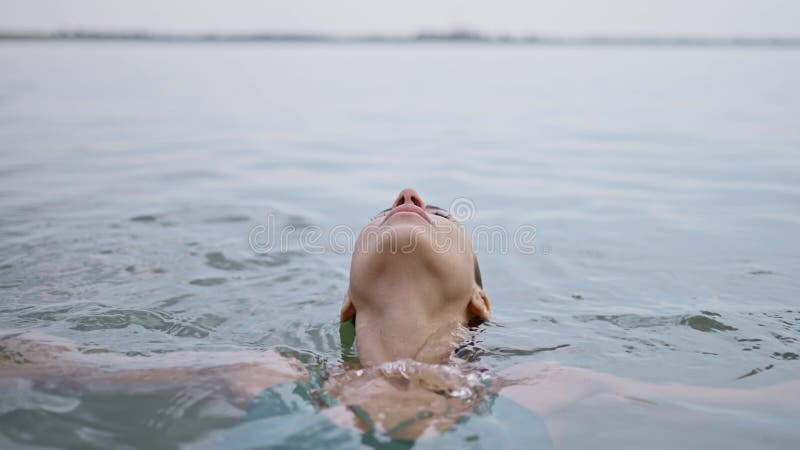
<point x="240" y="374"/>
<point x="411" y="279"/>
<point x="412" y="290"/>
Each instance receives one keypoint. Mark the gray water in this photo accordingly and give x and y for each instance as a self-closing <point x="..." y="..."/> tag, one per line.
<point x="663" y="184"/>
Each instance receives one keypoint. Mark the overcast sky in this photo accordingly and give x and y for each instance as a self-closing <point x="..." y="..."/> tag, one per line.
<point x="696" y="17"/>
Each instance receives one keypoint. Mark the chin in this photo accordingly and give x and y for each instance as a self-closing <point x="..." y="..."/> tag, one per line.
<point x="401" y="237"/>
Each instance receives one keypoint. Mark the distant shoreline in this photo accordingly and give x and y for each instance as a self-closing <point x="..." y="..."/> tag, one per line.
<point x="419" y="38"/>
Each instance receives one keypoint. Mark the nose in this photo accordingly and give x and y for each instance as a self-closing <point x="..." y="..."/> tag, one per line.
<point x="408" y="195"/>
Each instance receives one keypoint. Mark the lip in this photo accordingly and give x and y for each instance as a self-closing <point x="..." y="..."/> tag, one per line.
<point x="407" y="208"/>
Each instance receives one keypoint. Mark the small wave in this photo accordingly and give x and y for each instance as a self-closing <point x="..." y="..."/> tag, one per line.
<point x="218" y="260"/>
<point x="198" y="327"/>
<point x="144" y="218"/>
<point x="211" y="281"/>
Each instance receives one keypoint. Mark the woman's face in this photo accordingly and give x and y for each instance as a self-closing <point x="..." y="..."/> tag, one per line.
<point x="413" y="246"/>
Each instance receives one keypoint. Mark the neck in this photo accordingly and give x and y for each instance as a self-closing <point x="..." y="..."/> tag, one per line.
<point x="406" y="309"/>
<point x="404" y="327"/>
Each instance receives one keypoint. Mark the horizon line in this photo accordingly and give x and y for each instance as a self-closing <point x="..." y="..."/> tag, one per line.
<point x="460" y="36"/>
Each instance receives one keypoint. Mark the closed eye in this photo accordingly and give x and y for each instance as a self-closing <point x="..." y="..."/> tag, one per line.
<point x="441" y="212"/>
<point x="435" y="210"/>
<point x="382" y="212"/>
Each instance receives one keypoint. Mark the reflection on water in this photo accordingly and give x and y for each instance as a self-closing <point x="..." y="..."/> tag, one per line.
<point x="663" y="184"/>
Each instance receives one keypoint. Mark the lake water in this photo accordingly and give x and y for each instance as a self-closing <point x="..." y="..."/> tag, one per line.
<point x="663" y="185"/>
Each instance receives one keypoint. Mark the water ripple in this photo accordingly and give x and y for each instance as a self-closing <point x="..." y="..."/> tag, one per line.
<point x="198" y="327"/>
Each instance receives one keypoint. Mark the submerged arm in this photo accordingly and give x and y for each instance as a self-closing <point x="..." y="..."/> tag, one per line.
<point x="559" y="394"/>
<point x="242" y="373"/>
<point x="548" y="388"/>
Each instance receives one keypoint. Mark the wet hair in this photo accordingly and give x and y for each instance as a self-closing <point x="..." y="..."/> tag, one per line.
<point x="478" y="279"/>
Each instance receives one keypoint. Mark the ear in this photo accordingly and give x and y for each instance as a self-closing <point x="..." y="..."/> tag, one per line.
<point x="348" y="310"/>
<point x="479" y="304"/>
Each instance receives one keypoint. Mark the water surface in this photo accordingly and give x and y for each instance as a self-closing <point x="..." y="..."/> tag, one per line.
<point x="663" y="184"/>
